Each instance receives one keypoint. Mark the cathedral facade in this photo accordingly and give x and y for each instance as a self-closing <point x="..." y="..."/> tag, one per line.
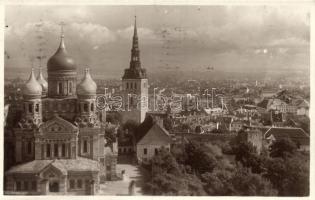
<point x="57" y="146"/>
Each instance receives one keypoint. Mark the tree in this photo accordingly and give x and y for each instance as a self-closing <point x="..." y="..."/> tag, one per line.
<point x="167" y="177"/>
<point x="290" y="175"/>
<point x="113" y="117"/>
<point x="283" y="147"/>
<point x="198" y="158"/>
<point x="237" y="182"/>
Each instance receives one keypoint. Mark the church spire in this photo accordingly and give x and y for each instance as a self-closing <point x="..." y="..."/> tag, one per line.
<point x="135" y="28"/>
<point x="62" y="43"/>
<point x="135" y="52"/>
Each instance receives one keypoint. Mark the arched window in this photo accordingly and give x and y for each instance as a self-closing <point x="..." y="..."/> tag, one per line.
<point x="59" y="91"/>
<point x="63" y="150"/>
<point x="70" y="87"/>
<point x="92" y="107"/>
<point x="29" y="147"/>
<point x="85" y="107"/>
<point x="48" y="150"/>
<point x="85" y="148"/>
<point x="30" y="108"/>
<point x="56" y="150"/>
<point x="37" y="107"/>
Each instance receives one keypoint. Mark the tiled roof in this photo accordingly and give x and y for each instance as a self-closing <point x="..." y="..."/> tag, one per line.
<point x="292" y="133"/>
<point x="64" y="165"/>
<point x="34" y="166"/>
<point x="156" y="135"/>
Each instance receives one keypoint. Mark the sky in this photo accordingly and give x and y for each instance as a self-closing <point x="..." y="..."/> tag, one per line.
<point x="186" y="38"/>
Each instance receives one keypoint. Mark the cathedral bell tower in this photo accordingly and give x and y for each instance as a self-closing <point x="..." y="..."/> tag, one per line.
<point x="135" y="85"/>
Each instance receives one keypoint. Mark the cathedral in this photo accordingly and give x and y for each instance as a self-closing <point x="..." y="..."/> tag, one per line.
<point x="57" y="146"/>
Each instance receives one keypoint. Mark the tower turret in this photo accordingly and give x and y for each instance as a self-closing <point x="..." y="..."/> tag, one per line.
<point x="61" y="73"/>
<point x="86" y="92"/>
<point x="32" y="93"/>
<point x="135" y="84"/>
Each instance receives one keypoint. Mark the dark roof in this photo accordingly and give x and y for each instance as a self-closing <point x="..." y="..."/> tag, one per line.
<point x="64" y="165"/>
<point x="295" y="134"/>
<point x="135" y="73"/>
<point x="156" y="135"/>
<point x="263" y="103"/>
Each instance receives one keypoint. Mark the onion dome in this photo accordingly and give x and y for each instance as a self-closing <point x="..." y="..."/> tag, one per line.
<point x="87" y="85"/>
<point x="32" y="86"/>
<point x="61" y="60"/>
<point x="41" y="80"/>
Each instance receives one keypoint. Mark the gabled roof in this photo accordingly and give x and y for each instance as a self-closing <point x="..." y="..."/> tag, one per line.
<point x="156" y="135"/>
<point x="60" y="123"/>
<point x="286" y="132"/>
<point x="63" y="165"/>
<point x="300" y="103"/>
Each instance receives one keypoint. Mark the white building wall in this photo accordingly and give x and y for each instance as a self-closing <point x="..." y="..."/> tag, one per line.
<point x="150" y="151"/>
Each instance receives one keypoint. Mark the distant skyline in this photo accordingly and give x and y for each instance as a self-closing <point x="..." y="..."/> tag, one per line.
<point x="227" y="38"/>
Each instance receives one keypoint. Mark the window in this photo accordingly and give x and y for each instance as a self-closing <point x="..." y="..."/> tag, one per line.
<point x="156" y="151"/>
<point x="71" y="184"/>
<point x="70" y="87"/>
<point x="30" y="108"/>
<point x="37" y="107"/>
<point x="127" y="86"/>
<point x="85" y="107"/>
<point x="92" y="107"/>
<point x="145" y="151"/>
<point x="47" y="150"/>
<point x="85" y="146"/>
<point x="53" y="186"/>
<point x="108" y="168"/>
<point x="18" y="186"/>
<point x="56" y="150"/>
<point x="135" y="85"/>
<point x="63" y="150"/>
<point x="34" y="185"/>
<point x="79" y="183"/>
<point x="25" y="185"/>
<point x="59" y="88"/>
<point x="29" y="147"/>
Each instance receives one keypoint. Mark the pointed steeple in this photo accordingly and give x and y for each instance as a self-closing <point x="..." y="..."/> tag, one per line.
<point x="135" y="34"/>
<point x="135" y="71"/>
<point x="62" y="36"/>
<point x="135" y="52"/>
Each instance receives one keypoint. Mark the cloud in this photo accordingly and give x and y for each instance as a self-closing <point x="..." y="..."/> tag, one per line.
<point x="71" y="14"/>
<point x="94" y="34"/>
<point x="146" y="35"/>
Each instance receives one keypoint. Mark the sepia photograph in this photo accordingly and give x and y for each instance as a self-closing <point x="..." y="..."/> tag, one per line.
<point x="157" y="100"/>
